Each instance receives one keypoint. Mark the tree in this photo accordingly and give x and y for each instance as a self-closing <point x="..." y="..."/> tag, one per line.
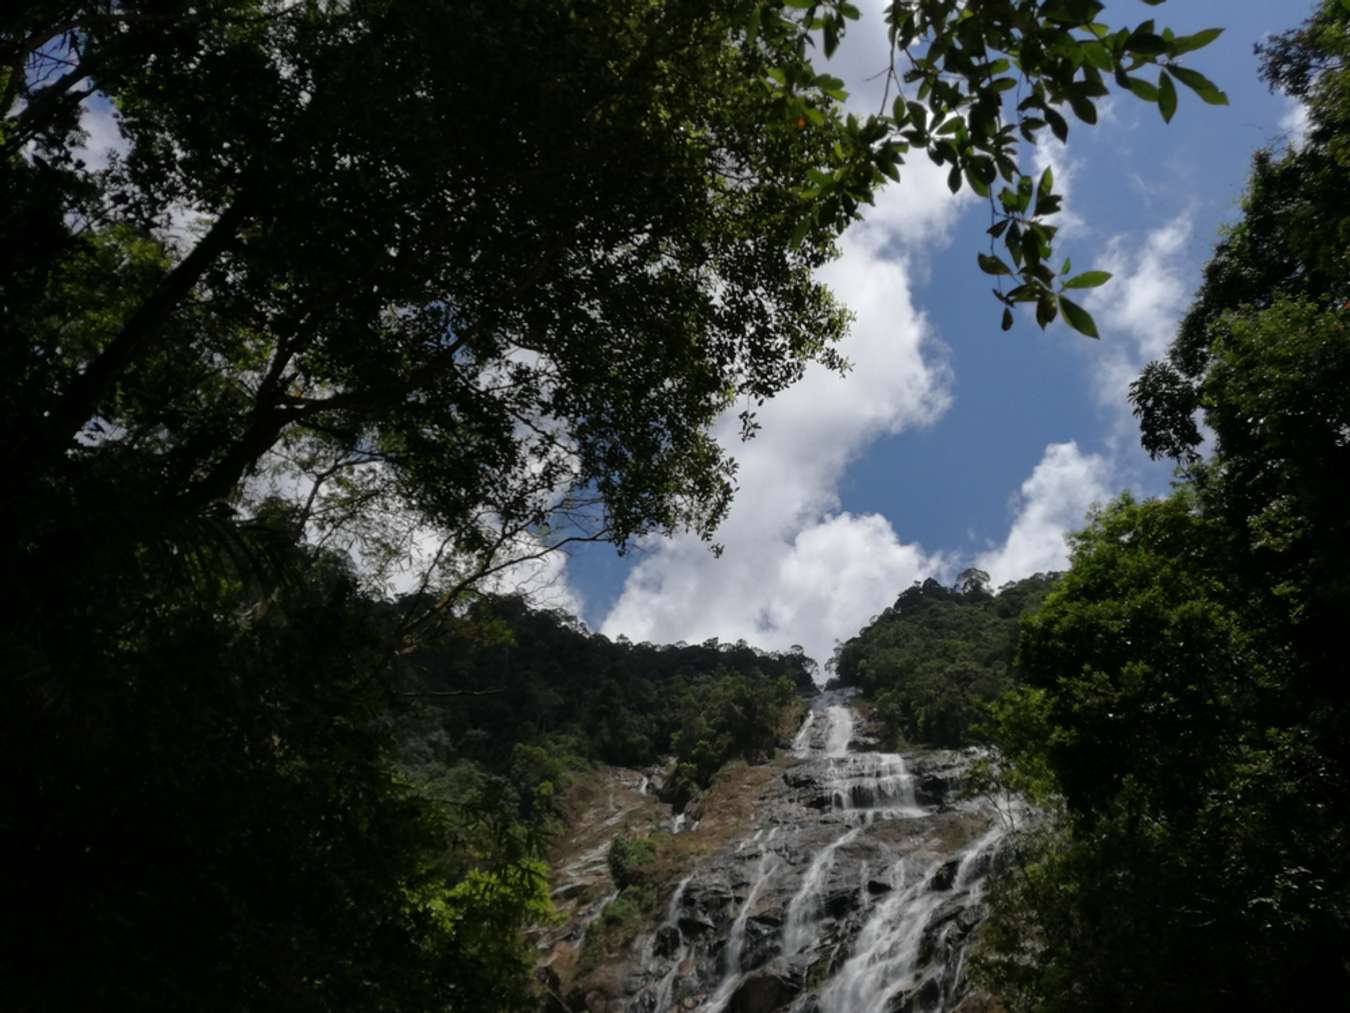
<point x="1188" y="688"/>
<point x="366" y="269"/>
<point x="417" y="296"/>
<point x="500" y="263"/>
<point x="935" y="659"/>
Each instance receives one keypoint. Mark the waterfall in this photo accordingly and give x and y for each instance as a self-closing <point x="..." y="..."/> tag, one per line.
<point x="666" y="986"/>
<point x="877" y="783"/>
<point x="840" y="731"/>
<point x="801" y="744"/>
<point x="849" y="890"/>
<point x="731" y="955"/>
<point x="885" y="961"/>
<point x="804" y="906"/>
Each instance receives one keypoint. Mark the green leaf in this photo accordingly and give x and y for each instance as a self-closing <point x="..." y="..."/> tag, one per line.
<point x="800" y="230"/>
<point x="954" y="179"/>
<point x="1058" y="125"/>
<point x="1078" y="318"/>
<point x="1167" y="97"/>
<point x="1088" y="279"/>
<point x="992" y="265"/>
<point x="1190" y="43"/>
<point x="1047" y="183"/>
<point x="1007" y="319"/>
<point x="1097" y="55"/>
<point x="1083" y="108"/>
<point x="1045" y="309"/>
<point x="1146" y="44"/>
<point x="1199" y="84"/>
<point x="756" y="18"/>
<point x="1141" y="88"/>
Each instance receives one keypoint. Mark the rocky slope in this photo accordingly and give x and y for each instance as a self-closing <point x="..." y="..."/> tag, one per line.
<point x="836" y="880"/>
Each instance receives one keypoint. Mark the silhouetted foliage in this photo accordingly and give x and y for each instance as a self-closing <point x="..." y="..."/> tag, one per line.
<point x="552" y="684"/>
<point x="1184" y="724"/>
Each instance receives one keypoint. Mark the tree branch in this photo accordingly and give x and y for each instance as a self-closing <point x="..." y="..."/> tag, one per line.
<point x="81" y="399"/>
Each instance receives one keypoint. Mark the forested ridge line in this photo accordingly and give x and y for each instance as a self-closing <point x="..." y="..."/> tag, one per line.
<point x="397" y="284"/>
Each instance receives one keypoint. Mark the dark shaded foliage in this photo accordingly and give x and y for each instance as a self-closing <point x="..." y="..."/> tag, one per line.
<point x="931" y="661"/>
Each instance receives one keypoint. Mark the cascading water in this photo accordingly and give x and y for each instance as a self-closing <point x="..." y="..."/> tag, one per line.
<point x="731" y="956"/>
<point x="885" y="961"/>
<point x="854" y="888"/>
<point x="803" y="910"/>
<point x="667" y="983"/>
<point x="801" y="745"/>
<point x="840" y="730"/>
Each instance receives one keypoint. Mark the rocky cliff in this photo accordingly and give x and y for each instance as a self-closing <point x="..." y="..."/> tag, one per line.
<point x="834" y="880"/>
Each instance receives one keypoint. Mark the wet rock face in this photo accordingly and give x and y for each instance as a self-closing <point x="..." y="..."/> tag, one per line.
<point x="854" y="889"/>
<point x="762" y="993"/>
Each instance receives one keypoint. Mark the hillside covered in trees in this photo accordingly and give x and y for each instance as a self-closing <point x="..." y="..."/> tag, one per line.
<point x="431" y="290"/>
<point x="1184" y="719"/>
<point x="532" y="683"/>
<point x="931" y="663"/>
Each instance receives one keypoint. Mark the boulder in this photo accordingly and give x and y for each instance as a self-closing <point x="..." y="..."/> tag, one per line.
<point x="667" y="941"/>
<point x="762" y="993"/>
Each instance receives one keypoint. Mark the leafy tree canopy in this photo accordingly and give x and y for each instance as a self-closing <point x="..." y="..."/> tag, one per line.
<point x="1184" y="719"/>
<point x="933" y="660"/>
<point x="367" y="268"/>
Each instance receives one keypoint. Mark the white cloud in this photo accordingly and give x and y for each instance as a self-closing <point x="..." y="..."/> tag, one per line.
<point x="1138" y="311"/>
<point x="794" y="570"/>
<point x="1051" y="154"/>
<point x="811" y="587"/>
<point x="103" y="136"/>
<point x="1051" y="503"/>
<point x="1296" y="123"/>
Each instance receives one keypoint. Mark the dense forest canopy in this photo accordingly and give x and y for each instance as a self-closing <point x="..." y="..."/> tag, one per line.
<point x="1184" y="719"/>
<point x="366" y="270"/>
<point x="931" y="662"/>
<point x="539" y="679"/>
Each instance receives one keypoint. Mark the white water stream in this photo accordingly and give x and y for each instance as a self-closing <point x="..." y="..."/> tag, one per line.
<point x="732" y="976"/>
<point x="840" y="730"/>
<point x="885" y="961"/>
<point x="804" y="909"/>
<point x="838" y="878"/>
<point x="666" y="985"/>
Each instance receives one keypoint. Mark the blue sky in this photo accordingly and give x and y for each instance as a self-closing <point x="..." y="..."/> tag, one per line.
<point x="952" y="443"/>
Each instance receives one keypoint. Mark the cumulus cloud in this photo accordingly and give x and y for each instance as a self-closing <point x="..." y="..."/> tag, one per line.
<point x="1138" y="311"/>
<point x="1296" y="123"/>
<point x="795" y="569"/>
<point x="103" y="138"/>
<point x="1052" y="502"/>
